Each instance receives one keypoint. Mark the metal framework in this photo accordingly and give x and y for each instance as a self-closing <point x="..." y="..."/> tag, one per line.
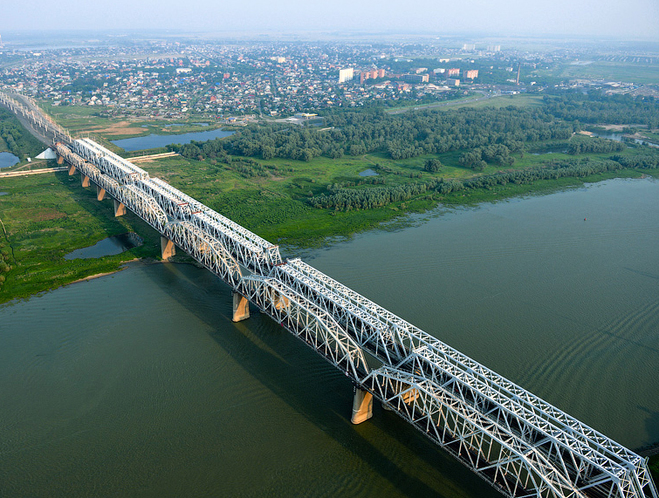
<point x="33" y="114"/>
<point x="516" y="441"/>
<point x="309" y="323"/>
<point x="585" y="458"/>
<point x="205" y="249"/>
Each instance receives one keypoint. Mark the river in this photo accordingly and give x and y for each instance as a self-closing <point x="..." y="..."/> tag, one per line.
<point x="139" y="383"/>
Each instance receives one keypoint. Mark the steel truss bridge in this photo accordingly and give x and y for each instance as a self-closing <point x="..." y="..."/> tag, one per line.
<point x="519" y="443"/>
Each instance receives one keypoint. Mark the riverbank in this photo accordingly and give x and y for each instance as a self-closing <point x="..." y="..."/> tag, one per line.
<point x="49" y="215"/>
<point x="69" y="217"/>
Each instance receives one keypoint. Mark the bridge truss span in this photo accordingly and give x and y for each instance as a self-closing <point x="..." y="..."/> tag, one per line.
<point x="206" y="250"/>
<point x="585" y="458"/>
<point x="314" y="326"/>
<point x="30" y="111"/>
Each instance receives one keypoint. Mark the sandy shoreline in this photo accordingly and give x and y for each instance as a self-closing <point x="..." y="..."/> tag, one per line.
<point x="99" y="275"/>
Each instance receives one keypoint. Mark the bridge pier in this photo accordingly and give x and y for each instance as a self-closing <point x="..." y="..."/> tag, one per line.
<point x="84" y="180"/>
<point x="362" y="406"/>
<point x="167" y="248"/>
<point x="60" y="160"/>
<point x="100" y="193"/>
<point x="72" y="170"/>
<point x="119" y="208"/>
<point x="240" y="307"/>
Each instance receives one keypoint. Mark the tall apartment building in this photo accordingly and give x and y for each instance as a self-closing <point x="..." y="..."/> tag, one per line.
<point x="472" y="74"/>
<point x="345" y="75"/>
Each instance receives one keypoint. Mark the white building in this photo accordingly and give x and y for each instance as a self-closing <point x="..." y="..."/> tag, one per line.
<point x="345" y="75"/>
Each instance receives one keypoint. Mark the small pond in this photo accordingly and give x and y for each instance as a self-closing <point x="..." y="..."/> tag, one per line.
<point x="153" y="141"/>
<point x="618" y="137"/>
<point x="7" y="159"/>
<point x="107" y="247"/>
<point x="3" y="193"/>
<point x="368" y="172"/>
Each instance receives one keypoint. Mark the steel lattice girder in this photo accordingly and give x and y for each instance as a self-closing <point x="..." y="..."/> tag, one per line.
<point x="447" y="420"/>
<point x="205" y="249"/>
<point x="252" y="251"/>
<point x="124" y="163"/>
<point x="252" y="256"/>
<point x="36" y="116"/>
<point x="307" y="322"/>
<point x="584" y="443"/>
<point x="270" y="251"/>
<point x="121" y="170"/>
<point x="142" y="205"/>
<point x="88" y="169"/>
<point x="169" y="203"/>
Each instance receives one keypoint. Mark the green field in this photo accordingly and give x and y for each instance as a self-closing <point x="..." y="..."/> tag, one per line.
<point x="600" y="70"/>
<point x="47" y="216"/>
<point x="97" y="121"/>
<point x="517" y="100"/>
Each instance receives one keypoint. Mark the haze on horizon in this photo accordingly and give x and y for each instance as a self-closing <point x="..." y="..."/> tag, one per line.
<point x="631" y="20"/>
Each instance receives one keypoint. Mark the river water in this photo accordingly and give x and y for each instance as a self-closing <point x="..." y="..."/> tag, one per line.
<point x="139" y="383"/>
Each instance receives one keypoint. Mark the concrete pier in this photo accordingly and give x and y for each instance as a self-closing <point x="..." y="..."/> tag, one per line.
<point x="85" y="181"/>
<point x="362" y="406"/>
<point x="119" y="208"/>
<point x="72" y="170"/>
<point x="60" y="160"/>
<point x="410" y="396"/>
<point x="100" y="193"/>
<point x="167" y="248"/>
<point x="240" y="307"/>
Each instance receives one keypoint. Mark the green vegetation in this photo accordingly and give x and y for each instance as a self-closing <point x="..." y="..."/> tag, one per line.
<point x="99" y="120"/>
<point x="47" y="216"/>
<point x="16" y="139"/>
<point x="602" y="70"/>
<point x="595" y="108"/>
<point x="300" y="186"/>
<point x="401" y="136"/>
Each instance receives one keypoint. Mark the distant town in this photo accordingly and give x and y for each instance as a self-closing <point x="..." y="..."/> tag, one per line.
<point x="240" y="81"/>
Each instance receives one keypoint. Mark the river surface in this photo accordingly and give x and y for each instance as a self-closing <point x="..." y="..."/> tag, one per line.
<point x="7" y="159"/>
<point x="153" y="141"/>
<point x="139" y="383"/>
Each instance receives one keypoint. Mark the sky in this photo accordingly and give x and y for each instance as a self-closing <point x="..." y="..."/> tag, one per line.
<point x="628" y="19"/>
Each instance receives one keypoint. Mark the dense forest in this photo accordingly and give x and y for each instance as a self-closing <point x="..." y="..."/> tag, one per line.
<point x="406" y="135"/>
<point x="401" y="136"/>
<point x="344" y="199"/>
<point x="597" y="108"/>
<point x="482" y="137"/>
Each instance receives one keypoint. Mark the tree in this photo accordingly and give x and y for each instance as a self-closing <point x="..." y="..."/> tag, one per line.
<point x="432" y="165"/>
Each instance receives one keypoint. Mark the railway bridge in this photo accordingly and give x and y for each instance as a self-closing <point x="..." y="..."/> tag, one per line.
<point x="519" y="443"/>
